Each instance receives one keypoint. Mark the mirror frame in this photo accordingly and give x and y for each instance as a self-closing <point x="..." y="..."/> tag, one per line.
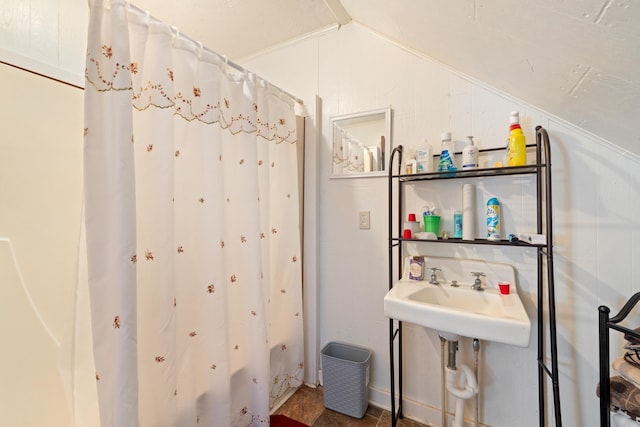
<point x="387" y="111"/>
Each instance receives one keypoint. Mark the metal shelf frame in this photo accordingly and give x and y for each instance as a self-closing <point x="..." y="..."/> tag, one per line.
<point x="542" y="171"/>
<point x="605" y="323"/>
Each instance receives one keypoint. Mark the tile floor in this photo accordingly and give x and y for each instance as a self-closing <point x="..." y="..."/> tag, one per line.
<point x="307" y="406"/>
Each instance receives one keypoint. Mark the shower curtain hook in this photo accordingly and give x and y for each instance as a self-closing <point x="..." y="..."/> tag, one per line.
<point x="174" y="34"/>
<point x="200" y="48"/>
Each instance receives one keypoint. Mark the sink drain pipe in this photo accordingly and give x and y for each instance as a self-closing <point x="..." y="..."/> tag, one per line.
<point x="443" y="394"/>
<point x="468" y="383"/>
<point x="476" y="350"/>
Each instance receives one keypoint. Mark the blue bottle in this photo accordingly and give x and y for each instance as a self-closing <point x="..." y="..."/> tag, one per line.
<point x="493" y="219"/>
<point x="447" y="159"/>
<point x="457" y="225"/>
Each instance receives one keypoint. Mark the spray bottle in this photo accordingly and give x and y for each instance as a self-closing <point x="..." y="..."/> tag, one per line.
<point x="493" y="219"/>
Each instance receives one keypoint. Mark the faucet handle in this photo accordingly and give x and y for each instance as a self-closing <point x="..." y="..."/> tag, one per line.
<point x="477" y="284"/>
<point x="434" y="278"/>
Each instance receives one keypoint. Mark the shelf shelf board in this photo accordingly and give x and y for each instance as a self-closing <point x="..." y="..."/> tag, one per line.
<point x="470" y="173"/>
<point x="474" y="242"/>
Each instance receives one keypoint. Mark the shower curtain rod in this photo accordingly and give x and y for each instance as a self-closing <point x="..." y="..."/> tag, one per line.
<point x="223" y="57"/>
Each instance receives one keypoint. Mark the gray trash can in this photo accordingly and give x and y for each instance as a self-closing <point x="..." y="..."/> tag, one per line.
<point x="345" y="377"/>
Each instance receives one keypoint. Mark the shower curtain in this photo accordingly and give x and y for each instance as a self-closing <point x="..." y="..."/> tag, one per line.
<point x="349" y="153"/>
<point x="192" y="229"/>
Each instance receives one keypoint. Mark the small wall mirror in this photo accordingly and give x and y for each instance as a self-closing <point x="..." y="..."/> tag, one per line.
<point x="360" y="143"/>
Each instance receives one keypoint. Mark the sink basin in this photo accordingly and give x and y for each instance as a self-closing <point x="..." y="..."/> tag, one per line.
<point x="486" y="315"/>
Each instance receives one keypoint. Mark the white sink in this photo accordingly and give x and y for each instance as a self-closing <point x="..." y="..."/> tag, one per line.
<point x="486" y="315"/>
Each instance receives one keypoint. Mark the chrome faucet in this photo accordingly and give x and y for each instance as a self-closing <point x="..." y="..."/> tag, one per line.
<point x="477" y="284"/>
<point x="434" y="278"/>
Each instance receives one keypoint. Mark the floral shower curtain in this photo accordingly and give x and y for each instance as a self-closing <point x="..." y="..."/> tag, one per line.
<point x="348" y="153"/>
<point x="192" y="230"/>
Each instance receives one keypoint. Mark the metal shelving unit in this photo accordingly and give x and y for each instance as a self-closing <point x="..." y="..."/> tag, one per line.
<point x="605" y="324"/>
<point x="542" y="171"/>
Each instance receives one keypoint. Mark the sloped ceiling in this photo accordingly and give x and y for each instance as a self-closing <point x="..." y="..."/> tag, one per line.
<point x="577" y="59"/>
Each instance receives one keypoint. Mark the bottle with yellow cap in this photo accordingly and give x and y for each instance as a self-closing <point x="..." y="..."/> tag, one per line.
<point x="517" y="142"/>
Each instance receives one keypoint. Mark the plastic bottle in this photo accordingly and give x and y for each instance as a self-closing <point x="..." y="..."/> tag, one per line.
<point x="493" y="219"/>
<point x="424" y="158"/>
<point x="447" y="153"/>
<point x="457" y="224"/>
<point x="411" y="166"/>
<point x="517" y="143"/>
<point x="470" y="155"/>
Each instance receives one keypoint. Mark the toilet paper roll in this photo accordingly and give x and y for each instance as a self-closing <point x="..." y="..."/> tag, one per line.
<point x="468" y="212"/>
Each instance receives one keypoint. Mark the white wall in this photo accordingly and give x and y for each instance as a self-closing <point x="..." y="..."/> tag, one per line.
<point x="40" y="196"/>
<point x="595" y="205"/>
<point x="45" y="36"/>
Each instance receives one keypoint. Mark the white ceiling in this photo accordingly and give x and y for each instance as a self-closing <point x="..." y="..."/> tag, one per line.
<point x="577" y="59"/>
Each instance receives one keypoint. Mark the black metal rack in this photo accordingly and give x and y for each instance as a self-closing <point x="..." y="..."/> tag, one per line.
<point x="605" y="323"/>
<point x="542" y="170"/>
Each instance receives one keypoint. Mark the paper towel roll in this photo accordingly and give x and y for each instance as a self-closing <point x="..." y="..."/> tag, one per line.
<point x="468" y="212"/>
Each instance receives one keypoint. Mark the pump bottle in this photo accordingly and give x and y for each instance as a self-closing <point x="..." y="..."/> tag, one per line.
<point x="470" y="155"/>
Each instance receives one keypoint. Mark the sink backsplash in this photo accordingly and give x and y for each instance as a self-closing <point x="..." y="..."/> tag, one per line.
<point x="459" y="269"/>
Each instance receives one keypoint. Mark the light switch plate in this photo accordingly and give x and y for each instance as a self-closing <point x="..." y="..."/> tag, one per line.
<point x="364" y="220"/>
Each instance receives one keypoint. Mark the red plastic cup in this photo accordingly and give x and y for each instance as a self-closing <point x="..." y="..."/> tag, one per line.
<point x="406" y="234"/>
<point x="504" y="288"/>
<point x="412" y="217"/>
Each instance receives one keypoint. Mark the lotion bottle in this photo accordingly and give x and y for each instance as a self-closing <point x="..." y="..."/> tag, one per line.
<point x="470" y="155"/>
<point x="424" y="159"/>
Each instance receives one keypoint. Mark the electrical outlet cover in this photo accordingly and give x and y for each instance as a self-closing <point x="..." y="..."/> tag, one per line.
<point x="364" y="220"/>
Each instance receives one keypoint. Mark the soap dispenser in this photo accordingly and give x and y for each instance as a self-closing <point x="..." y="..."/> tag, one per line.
<point x="470" y="155"/>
